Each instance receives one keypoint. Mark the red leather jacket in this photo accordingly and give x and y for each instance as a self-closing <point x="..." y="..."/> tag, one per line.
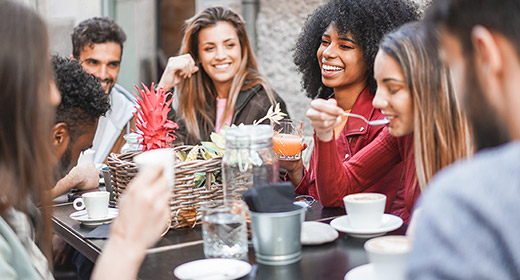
<point x="330" y="159"/>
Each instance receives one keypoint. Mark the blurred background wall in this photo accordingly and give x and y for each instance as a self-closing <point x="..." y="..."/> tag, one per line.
<point x="154" y="31"/>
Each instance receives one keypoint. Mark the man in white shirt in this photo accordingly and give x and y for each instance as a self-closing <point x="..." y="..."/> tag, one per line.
<point x="97" y="43"/>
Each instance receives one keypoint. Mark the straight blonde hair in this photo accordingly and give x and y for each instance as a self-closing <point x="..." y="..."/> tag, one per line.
<point x="197" y="93"/>
<point x="441" y="131"/>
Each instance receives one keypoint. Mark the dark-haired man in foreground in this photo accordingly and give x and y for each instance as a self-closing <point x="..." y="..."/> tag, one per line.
<point x="469" y="227"/>
<point x="83" y="102"/>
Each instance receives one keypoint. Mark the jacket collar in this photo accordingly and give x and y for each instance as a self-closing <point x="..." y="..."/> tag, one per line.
<point x="244" y="97"/>
<point x="362" y="106"/>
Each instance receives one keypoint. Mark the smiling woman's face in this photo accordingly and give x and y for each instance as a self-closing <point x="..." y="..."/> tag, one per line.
<point x="341" y="60"/>
<point x="220" y="52"/>
<point x="393" y="95"/>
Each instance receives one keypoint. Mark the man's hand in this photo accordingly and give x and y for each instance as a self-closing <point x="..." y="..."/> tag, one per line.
<point x="84" y="176"/>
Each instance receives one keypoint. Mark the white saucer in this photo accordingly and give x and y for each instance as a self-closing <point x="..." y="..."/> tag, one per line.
<point x="82" y="217"/>
<point x="362" y="272"/>
<point x="390" y="222"/>
<point x="214" y="269"/>
<point x="316" y="233"/>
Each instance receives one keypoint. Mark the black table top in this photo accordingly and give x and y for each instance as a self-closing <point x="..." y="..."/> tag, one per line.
<point x="328" y="261"/>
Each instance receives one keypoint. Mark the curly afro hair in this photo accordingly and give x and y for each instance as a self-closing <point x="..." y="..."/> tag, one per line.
<point x="83" y="100"/>
<point x="97" y="30"/>
<point x="366" y="20"/>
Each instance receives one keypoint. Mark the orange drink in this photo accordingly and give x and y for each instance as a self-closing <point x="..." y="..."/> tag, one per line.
<point x="287" y="144"/>
<point x="287" y="139"/>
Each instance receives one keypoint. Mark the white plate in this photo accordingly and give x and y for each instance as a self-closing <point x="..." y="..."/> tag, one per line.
<point x="363" y="272"/>
<point x="82" y="217"/>
<point x="214" y="269"/>
<point x="390" y="222"/>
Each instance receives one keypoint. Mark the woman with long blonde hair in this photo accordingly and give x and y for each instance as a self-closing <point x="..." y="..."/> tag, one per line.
<point x="427" y="130"/>
<point x="216" y="77"/>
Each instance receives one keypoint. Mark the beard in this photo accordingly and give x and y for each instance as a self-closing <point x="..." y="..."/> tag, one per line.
<point x="65" y="161"/>
<point x="488" y="130"/>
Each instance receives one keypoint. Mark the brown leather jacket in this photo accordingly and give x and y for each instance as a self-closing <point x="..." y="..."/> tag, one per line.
<point x="251" y="105"/>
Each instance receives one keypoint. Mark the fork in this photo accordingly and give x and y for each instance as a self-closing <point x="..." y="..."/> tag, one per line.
<point x="374" y="122"/>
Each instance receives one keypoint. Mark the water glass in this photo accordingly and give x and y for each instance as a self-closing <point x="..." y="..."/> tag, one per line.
<point x="224" y="230"/>
<point x="287" y="139"/>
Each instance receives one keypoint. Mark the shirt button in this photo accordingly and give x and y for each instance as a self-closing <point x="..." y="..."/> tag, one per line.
<point x="346" y="156"/>
<point x="361" y="129"/>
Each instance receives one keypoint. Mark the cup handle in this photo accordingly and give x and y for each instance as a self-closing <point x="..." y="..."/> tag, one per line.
<point x="79" y="201"/>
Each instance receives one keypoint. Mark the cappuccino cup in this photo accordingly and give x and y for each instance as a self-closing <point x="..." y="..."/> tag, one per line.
<point x="388" y="256"/>
<point x="96" y="204"/>
<point x="365" y="210"/>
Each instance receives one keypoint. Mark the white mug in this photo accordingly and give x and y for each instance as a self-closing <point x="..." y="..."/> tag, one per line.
<point x="164" y="157"/>
<point x="389" y="256"/>
<point x="365" y="210"/>
<point x="95" y="202"/>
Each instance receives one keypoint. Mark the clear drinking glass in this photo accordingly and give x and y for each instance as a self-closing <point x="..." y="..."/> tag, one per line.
<point x="287" y="139"/>
<point x="224" y="230"/>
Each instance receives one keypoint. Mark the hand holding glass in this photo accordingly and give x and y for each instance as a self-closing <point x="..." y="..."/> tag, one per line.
<point x="287" y="139"/>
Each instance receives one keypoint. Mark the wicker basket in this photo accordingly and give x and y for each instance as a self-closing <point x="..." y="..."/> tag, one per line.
<point x="185" y="198"/>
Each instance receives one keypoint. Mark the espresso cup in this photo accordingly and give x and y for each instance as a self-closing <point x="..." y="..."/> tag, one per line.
<point x="96" y="204"/>
<point x="365" y="210"/>
<point x="388" y="256"/>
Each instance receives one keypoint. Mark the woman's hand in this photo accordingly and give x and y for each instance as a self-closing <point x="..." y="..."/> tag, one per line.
<point x="294" y="168"/>
<point x="143" y="209"/>
<point x="143" y="215"/>
<point x="178" y="68"/>
<point x="324" y="116"/>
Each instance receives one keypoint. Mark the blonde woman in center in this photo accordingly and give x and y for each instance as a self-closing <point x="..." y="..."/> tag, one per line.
<point x="216" y="77"/>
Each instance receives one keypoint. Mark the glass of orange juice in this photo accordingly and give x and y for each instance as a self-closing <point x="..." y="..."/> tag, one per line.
<point x="287" y="139"/>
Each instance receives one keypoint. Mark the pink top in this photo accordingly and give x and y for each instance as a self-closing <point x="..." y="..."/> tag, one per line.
<point x="221" y="107"/>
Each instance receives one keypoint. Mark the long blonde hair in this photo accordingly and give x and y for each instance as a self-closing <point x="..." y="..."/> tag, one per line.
<point x="197" y="94"/>
<point x="441" y="131"/>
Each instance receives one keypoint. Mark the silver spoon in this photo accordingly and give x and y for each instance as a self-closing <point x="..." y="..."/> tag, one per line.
<point x="374" y="122"/>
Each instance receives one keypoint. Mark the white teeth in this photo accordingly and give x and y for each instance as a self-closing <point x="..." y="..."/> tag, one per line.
<point x="389" y="118"/>
<point x="331" y="68"/>
<point x="221" y="66"/>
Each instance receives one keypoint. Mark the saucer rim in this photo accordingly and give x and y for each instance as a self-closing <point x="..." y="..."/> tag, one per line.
<point x="203" y="262"/>
<point x="359" y="232"/>
<point x="112" y="214"/>
<point x="357" y="269"/>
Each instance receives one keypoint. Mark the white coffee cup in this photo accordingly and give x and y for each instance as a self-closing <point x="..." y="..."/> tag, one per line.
<point x="96" y="204"/>
<point x="162" y="157"/>
<point x="365" y="210"/>
<point x="389" y="256"/>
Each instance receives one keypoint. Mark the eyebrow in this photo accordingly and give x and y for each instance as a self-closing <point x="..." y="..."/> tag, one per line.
<point x="225" y="41"/>
<point x="340" y="38"/>
<point x="386" y="80"/>
<point x="347" y="39"/>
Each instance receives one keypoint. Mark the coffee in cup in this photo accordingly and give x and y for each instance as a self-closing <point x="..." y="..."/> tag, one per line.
<point x="96" y="204"/>
<point x="365" y="210"/>
<point x="389" y="256"/>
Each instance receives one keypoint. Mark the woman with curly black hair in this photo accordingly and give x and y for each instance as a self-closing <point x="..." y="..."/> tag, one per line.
<point x="335" y="53"/>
